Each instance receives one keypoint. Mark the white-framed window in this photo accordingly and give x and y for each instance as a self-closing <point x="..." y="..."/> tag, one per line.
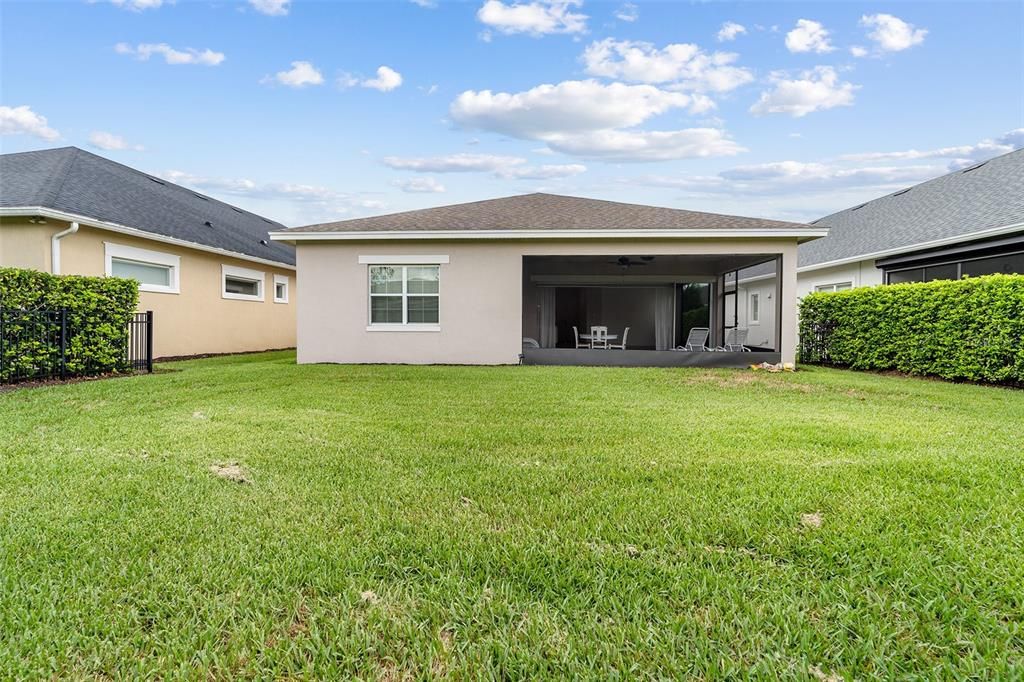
<point x="839" y="286"/>
<point x="241" y="284"/>
<point x="280" y="288"/>
<point x="405" y="297"/>
<point x="155" y="271"/>
<point x="754" y="313"/>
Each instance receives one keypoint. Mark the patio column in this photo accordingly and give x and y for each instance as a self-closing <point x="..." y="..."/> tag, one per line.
<point x="786" y="287"/>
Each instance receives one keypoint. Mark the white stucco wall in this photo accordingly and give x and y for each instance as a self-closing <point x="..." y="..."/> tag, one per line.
<point x="481" y="296"/>
<point x="861" y="274"/>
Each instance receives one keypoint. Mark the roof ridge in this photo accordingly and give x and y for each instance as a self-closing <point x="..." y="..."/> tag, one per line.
<point x="60" y="174"/>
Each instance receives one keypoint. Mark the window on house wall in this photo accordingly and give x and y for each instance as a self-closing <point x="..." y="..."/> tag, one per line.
<point x="404" y="294"/>
<point x="241" y="284"/>
<point x="838" y="286"/>
<point x="280" y="288"/>
<point x="155" y="271"/>
<point x="754" y="316"/>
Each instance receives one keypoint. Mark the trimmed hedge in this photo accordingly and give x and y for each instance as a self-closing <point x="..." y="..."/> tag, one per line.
<point x="98" y="312"/>
<point x="968" y="329"/>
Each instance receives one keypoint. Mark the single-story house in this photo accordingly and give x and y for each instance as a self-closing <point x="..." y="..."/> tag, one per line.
<point x="489" y="281"/>
<point x="214" y="280"/>
<point x="965" y="223"/>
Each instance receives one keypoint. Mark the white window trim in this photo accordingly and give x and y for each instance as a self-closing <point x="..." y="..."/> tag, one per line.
<point x="404" y="326"/>
<point x="112" y="251"/>
<point x="281" y="279"/>
<point x="751" y="318"/>
<point x="244" y="273"/>
<point x="832" y="287"/>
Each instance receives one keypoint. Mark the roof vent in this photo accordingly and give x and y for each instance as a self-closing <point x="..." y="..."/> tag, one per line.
<point x="968" y="170"/>
<point x="208" y="223"/>
<point x="263" y="241"/>
<point x="857" y="208"/>
<point x="236" y="210"/>
<point x="159" y="182"/>
<point x="268" y="222"/>
<point x="902" y="191"/>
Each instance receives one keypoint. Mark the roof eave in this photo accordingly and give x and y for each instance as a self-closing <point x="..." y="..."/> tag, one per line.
<point x="55" y="214"/>
<point x="801" y="234"/>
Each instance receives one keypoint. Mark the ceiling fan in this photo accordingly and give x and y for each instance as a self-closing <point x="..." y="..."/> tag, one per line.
<point x="625" y="262"/>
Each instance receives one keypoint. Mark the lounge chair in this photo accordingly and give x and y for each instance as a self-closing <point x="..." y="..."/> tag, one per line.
<point x="735" y="339"/>
<point x="696" y="340"/>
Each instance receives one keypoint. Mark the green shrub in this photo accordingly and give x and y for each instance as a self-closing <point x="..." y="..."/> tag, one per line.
<point x="98" y="312"/>
<point x="970" y="329"/>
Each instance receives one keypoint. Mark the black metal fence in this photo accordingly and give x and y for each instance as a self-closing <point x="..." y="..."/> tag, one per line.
<point x="816" y="341"/>
<point x="41" y="338"/>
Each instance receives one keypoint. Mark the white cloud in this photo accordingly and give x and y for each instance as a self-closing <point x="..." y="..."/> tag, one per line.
<point x="628" y="12"/>
<point x="307" y="202"/>
<point x="299" y="76"/>
<point x="273" y="8"/>
<point x="569" y="106"/>
<point x="23" y="121"/>
<point x="642" y="145"/>
<point x="960" y="155"/>
<point x="508" y="167"/>
<point x="814" y="90"/>
<point x="536" y="18"/>
<point x="808" y="36"/>
<point x="137" y="5"/>
<point x="892" y="34"/>
<point x="858" y="51"/>
<point x="543" y="172"/>
<point x="729" y="31"/>
<point x="426" y="4"/>
<point x="428" y="90"/>
<point x="453" y="163"/>
<point x="683" y="64"/>
<point x="112" y="142"/>
<point x="188" y="55"/>
<point x="587" y="118"/>
<point x="420" y="185"/>
<point x="387" y="80"/>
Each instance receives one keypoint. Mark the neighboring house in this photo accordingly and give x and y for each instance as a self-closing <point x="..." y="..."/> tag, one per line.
<point x="968" y="222"/>
<point x="208" y="270"/>
<point x="483" y="282"/>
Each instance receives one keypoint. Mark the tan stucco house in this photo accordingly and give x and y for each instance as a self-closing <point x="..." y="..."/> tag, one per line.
<point x="214" y="280"/>
<point x="522" y="278"/>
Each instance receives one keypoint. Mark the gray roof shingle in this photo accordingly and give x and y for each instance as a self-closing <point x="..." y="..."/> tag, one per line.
<point x="76" y="181"/>
<point x="547" y="212"/>
<point x="959" y="203"/>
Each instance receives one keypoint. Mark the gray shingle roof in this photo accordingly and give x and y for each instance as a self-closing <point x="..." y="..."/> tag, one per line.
<point x="962" y="202"/>
<point x="76" y="181"/>
<point x="547" y="212"/>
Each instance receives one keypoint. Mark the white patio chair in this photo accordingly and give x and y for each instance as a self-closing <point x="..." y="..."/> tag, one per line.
<point x="696" y="340"/>
<point x="579" y="343"/>
<point x="621" y="346"/>
<point x="529" y="342"/>
<point x="735" y="340"/>
<point x="599" y="337"/>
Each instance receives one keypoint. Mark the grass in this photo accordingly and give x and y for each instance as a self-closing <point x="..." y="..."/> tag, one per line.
<point x="516" y="522"/>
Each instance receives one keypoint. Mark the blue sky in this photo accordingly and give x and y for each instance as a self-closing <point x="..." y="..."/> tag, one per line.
<point x="319" y="111"/>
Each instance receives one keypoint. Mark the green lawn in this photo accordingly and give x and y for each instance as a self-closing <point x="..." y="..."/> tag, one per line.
<point x="510" y="522"/>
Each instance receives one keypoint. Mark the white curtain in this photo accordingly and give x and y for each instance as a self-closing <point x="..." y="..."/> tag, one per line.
<point x="664" y="317"/>
<point x="548" y="332"/>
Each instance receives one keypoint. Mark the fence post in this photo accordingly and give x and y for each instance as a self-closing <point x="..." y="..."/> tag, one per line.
<point x="149" y="341"/>
<point x="63" y="343"/>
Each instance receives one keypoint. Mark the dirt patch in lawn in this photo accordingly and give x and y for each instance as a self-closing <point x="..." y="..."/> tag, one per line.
<point x="230" y="471"/>
<point x="810" y="521"/>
